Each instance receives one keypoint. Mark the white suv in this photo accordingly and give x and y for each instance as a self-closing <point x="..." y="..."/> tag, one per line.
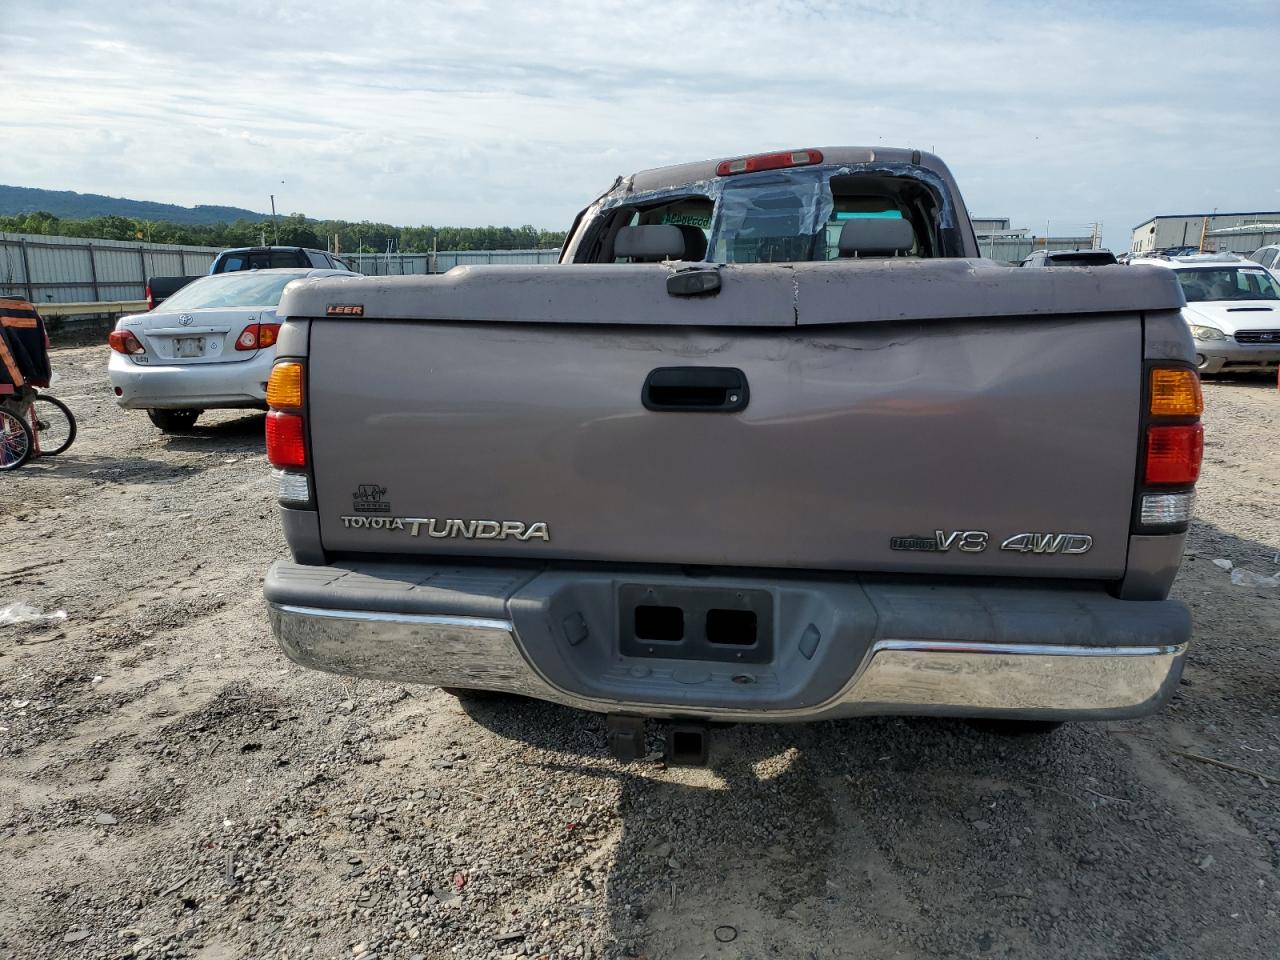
<point x="1233" y="309"/>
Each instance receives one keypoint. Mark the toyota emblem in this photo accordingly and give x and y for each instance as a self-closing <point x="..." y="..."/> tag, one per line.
<point x="185" y="319"/>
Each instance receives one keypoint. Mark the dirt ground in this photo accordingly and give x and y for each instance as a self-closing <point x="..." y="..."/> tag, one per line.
<point x="170" y="786"/>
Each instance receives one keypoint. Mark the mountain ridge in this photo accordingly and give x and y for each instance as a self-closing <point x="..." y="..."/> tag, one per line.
<point x="70" y="205"/>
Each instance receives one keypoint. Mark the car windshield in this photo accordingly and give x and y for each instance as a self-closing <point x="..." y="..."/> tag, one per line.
<point x="1228" y="283"/>
<point x="232" y="290"/>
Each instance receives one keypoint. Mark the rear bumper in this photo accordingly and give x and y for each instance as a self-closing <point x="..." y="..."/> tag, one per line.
<point x="1126" y="667"/>
<point x="207" y="386"/>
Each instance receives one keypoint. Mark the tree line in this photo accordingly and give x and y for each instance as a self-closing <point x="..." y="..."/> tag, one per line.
<point x="293" y="230"/>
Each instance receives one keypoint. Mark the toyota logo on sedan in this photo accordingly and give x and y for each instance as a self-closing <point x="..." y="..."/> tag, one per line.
<point x="185" y="319"/>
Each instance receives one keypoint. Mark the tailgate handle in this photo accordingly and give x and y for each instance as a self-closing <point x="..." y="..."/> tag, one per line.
<point x="692" y="389"/>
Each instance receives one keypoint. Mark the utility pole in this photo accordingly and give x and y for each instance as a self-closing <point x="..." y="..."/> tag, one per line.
<point x="275" y="230"/>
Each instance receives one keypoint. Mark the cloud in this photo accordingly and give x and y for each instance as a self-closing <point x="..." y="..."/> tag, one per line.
<point x="515" y="112"/>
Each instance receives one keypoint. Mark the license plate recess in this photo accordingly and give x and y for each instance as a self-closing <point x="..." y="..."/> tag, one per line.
<point x="725" y="624"/>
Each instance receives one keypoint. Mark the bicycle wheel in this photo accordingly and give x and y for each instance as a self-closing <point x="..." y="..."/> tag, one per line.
<point x="53" y="424"/>
<point x="16" y="444"/>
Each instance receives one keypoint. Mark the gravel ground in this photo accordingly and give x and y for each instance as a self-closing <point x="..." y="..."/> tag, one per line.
<point x="170" y="786"/>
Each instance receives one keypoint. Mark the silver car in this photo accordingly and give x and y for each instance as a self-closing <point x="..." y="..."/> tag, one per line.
<point x="209" y="346"/>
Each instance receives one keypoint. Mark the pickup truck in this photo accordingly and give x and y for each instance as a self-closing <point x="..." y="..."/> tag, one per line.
<point x="771" y="443"/>
<point x="159" y="289"/>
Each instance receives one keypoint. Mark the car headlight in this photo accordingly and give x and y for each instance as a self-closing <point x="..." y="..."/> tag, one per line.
<point x="1206" y="333"/>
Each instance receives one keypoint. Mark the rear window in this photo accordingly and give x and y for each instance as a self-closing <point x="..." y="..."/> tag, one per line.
<point x="231" y="290"/>
<point x="1082" y="258"/>
<point x="263" y="260"/>
<point x="783" y="216"/>
<point x="1228" y="283"/>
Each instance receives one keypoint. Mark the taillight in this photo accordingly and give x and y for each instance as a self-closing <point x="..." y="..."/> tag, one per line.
<point x="1172" y="449"/>
<point x="284" y="388"/>
<point x="258" y="336"/>
<point x="286" y="440"/>
<point x="151" y="299"/>
<point x="287" y="430"/>
<point x="1174" y="454"/>
<point x="768" y="161"/>
<point x="123" y="341"/>
<point x="1175" y="392"/>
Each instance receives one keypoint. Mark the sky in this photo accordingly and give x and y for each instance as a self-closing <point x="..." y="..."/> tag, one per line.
<point x="457" y="113"/>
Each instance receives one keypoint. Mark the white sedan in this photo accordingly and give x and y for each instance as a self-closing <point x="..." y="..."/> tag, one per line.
<point x="210" y="345"/>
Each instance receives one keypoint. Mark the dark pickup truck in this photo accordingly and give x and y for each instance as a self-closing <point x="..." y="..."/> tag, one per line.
<point x="772" y="443"/>
<point x="160" y="289"/>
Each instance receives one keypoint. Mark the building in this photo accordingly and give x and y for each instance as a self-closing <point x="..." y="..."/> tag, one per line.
<point x="1243" y="239"/>
<point x="999" y="241"/>
<point x="994" y="226"/>
<point x="1185" y="229"/>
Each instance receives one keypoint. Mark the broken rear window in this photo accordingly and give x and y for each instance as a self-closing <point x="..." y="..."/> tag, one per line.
<point x="784" y="216"/>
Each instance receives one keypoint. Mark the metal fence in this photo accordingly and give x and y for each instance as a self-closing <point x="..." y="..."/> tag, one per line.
<point x="74" y="270"/>
<point x="395" y="264"/>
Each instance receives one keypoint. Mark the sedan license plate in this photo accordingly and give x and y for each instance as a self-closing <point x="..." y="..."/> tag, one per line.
<point x="189" y="347"/>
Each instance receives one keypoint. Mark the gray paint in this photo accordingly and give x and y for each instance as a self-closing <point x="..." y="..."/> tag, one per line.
<point x="1167" y="336"/>
<point x="1152" y="566"/>
<point x="843" y="291"/>
<point x="294" y="336"/>
<point x="853" y="435"/>
<point x="302" y="534"/>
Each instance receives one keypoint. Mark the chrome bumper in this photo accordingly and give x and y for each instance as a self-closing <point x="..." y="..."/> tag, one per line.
<point x="897" y="676"/>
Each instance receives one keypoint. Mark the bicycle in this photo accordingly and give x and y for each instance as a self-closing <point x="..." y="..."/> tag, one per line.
<point x="33" y="425"/>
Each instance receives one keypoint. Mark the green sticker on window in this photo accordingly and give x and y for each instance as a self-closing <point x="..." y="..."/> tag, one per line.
<point x="687" y="220"/>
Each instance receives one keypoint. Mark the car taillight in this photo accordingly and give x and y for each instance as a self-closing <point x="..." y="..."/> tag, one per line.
<point x="1172" y="449"/>
<point x="258" y="336"/>
<point x="151" y="299"/>
<point x="768" y="161"/>
<point x="284" y="388"/>
<point x="123" y="341"/>
<point x="286" y="440"/>
<point x="287" y="430"/>
<point x="1175" y="392"/>
<point x="1174" y="454"/>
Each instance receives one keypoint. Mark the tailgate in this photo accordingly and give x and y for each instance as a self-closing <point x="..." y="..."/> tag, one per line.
<point x="885" y="446"/>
